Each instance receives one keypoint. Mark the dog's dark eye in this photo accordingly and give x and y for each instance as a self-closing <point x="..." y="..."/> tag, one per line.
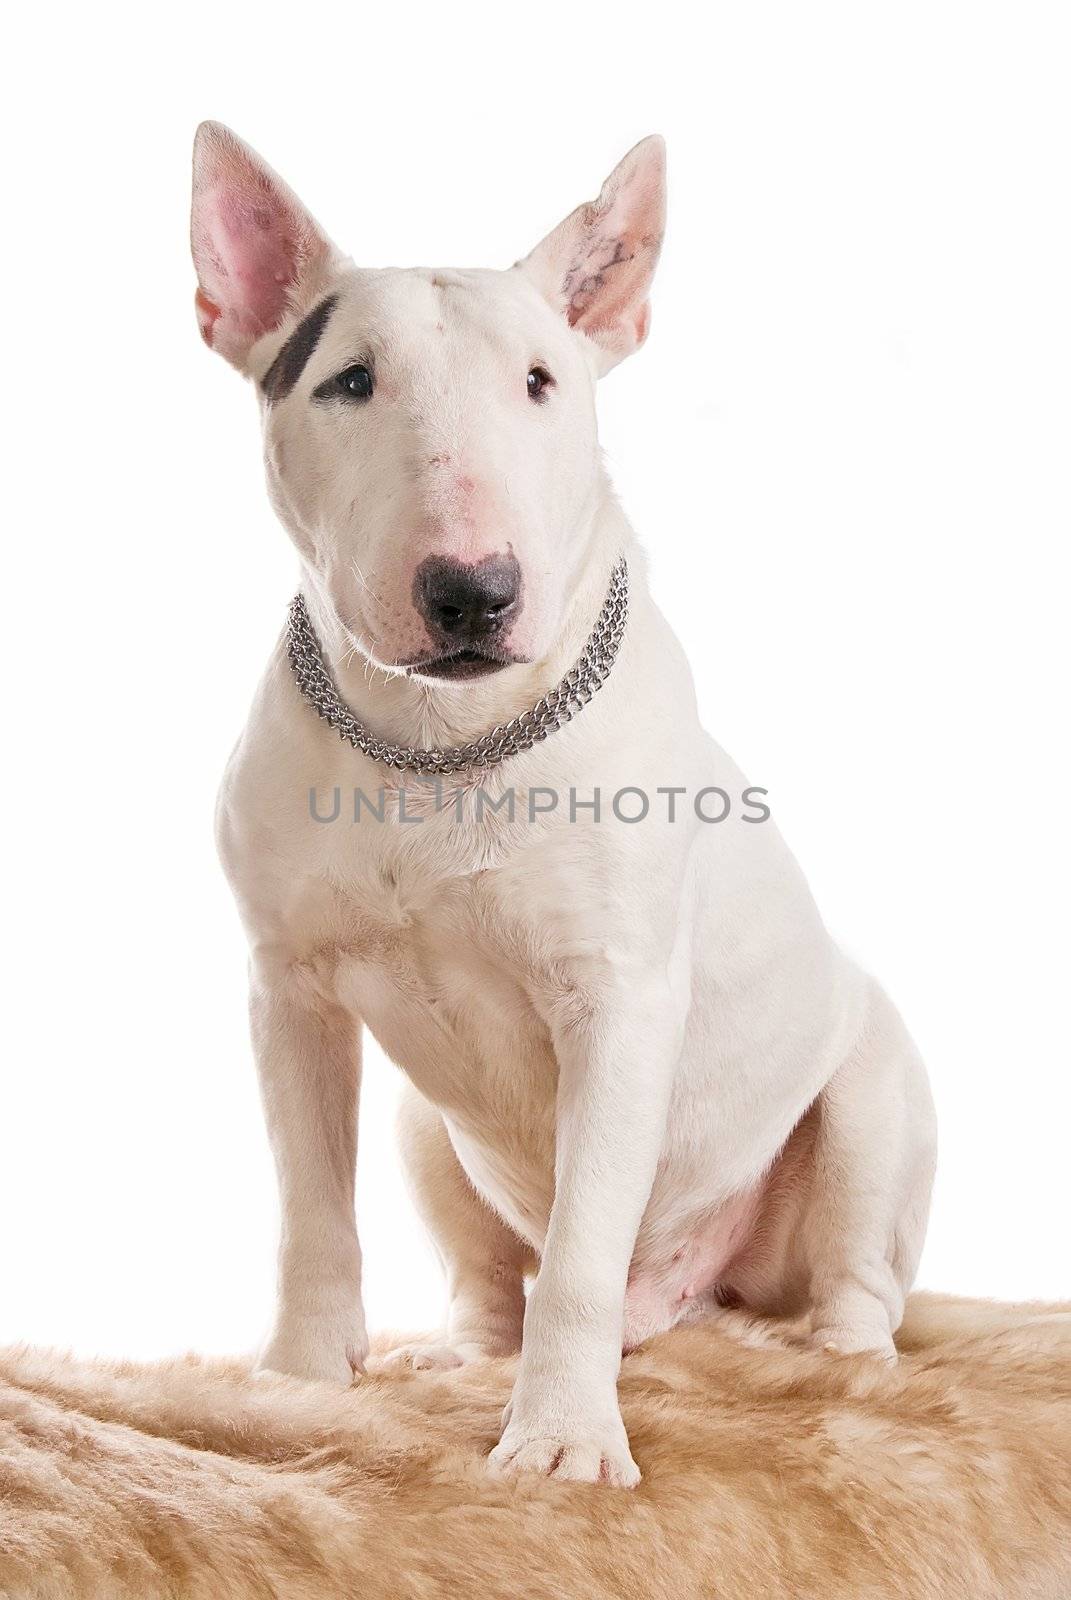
<point x="539" y="381"/>
<point x="355" y="383"/>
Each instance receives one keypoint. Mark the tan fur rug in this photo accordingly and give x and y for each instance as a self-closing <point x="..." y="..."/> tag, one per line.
<point x="767" y="1473"/>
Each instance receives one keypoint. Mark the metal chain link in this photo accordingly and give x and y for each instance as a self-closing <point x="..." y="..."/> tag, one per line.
<point x="559" y="706"/>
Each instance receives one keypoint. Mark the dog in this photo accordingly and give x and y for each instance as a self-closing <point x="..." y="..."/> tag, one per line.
<point x="644" y="1084"/>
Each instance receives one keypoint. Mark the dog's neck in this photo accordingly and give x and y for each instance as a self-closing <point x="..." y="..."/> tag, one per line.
<point x="411" y="711"/>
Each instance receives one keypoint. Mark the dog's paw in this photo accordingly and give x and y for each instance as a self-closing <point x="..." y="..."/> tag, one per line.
<point x="420" y="1357"/>
<point x="840" y="1340"/>
<point x="580" y="1454"/>
<point x="317" y="1353"/>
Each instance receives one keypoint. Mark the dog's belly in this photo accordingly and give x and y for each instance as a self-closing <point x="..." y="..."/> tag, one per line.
<point x="473" y="1044"/>
<point x="489" y="1066"/>
<point x="669" y="1284"/>
<point x="482" y="1055"/>
<point x="457" y="1017"/>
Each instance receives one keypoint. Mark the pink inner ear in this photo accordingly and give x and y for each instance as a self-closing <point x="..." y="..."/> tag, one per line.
<point x="611" y="274"/>
<point x="208" y="315"/>
<point x="597" y="265"/>
<point x="263" y="252"/>
<point x="253" y="243"/>
<point x="608" y="280"/>
<point x="258" y="252"/>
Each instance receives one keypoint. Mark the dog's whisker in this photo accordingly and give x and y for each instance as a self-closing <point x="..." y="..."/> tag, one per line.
<point x="359" y="647"/>
<point x="366" y="586"/>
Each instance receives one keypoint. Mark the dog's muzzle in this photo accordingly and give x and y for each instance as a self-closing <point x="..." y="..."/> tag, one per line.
<point x="468" y="610"/>
<point x="556" y="708"/>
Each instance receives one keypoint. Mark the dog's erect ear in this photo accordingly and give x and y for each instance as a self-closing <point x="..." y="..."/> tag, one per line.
<point x="597" y="265"/>
<point x="258" y="253"/>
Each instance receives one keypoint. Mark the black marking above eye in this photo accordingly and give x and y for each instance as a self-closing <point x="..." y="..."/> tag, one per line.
<point x="354" y="383"/>
<point x="289" y="364"/>
<point x="539" y="381"/>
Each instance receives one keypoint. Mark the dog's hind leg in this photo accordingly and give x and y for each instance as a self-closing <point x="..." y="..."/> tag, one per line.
<point x="861" y="1234"/>
<point x="484" y="1260"/>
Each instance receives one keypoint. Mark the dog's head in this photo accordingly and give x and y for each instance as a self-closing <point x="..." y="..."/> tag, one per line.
<point x="429" y="436"/>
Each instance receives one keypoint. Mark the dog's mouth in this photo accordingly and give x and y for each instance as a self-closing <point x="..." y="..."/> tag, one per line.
<point x="459" y="664"/>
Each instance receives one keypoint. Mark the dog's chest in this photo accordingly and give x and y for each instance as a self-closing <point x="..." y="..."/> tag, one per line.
<point x="443" y="971"/>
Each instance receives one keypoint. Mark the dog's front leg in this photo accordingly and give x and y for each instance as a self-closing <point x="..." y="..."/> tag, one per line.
<point x="616" y="1067"/>
<point x="308" y="1058"/>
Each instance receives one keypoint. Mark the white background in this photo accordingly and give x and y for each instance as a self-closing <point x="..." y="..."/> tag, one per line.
<point x="845" y="447"/>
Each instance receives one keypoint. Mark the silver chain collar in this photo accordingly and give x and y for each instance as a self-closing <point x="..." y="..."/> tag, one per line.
<point x="559" y="706"/>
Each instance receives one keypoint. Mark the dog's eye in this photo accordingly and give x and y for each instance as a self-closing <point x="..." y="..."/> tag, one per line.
<point x="355" y="383"/>
<point x="539" y="381"/>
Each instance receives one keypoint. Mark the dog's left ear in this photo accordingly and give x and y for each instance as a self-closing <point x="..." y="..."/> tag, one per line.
<point x="597" y="265"/>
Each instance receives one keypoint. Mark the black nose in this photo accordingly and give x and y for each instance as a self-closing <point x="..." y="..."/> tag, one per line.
<point x="468" y="604"/>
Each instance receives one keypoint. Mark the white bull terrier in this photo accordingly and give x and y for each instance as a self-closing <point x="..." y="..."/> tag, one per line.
<point x="641" y="1074"/>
